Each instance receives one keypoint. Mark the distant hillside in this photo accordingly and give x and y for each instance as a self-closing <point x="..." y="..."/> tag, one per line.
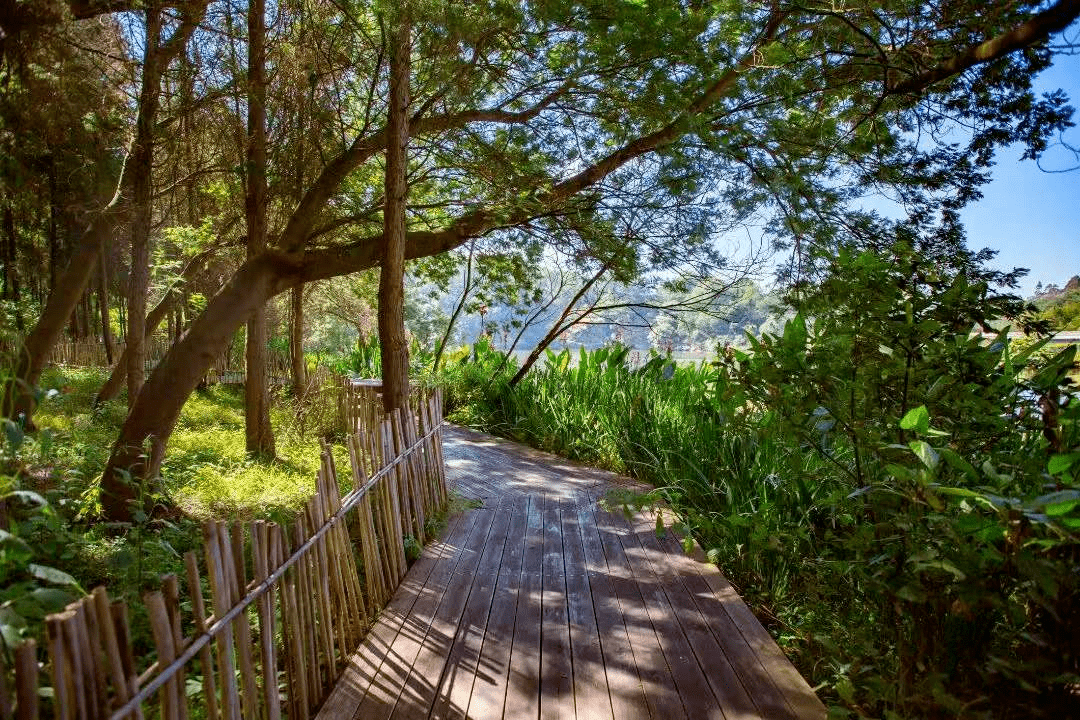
<point x="1061" y="306"/>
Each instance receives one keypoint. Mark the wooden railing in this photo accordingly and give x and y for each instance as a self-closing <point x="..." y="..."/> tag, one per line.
<point x="288" y="605"/>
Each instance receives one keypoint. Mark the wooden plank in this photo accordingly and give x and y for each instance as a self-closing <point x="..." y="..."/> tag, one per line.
<point x="459" y="671"/>
<point x="419" y="689"/>
<point x="523" y="680"/>
<point x="693" y="686"/>
<point x="493" y="665"/>
<point x="745" y="695"/>
<point x="365" y="664"/>
<point x="395" y="670"/>
<point x="730" y="617"/>
<point x="626" y="689"/>
<point x="556" y="668"/>
<point x="661" y="692"/>
<point x="591" y="695"/>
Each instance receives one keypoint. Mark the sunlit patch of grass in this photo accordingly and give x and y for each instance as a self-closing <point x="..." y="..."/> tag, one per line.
<point x="206" y="472"/>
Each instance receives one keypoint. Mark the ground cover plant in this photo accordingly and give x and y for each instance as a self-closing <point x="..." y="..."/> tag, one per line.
<point x="896" y="498"/>
<point x="53" y="546"/>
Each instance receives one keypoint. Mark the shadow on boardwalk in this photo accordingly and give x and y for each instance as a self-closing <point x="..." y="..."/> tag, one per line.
<point x="540" y="604"/>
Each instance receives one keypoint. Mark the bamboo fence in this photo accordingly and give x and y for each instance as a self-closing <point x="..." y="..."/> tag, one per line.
<point x="225" y="369"/>
<point x="287" y="605"/>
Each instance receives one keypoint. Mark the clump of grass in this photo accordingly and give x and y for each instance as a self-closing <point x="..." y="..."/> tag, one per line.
<point x="207" y="472"/>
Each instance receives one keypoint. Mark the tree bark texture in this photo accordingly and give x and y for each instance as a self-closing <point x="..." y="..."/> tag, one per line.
<point x="103" y="306"/>
<point x="394" y="347"/>
<point x="258" y="432"/>
<point x="64" y="297"/>
<point x="118" y="375"/>
<point x="296" y="342"/>
<point x="142" y="165"/>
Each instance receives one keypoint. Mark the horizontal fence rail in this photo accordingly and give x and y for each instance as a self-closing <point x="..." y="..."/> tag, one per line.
<point x="287" y="605"/>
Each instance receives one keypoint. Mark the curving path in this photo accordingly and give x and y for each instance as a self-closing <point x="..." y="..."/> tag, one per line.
<point x="539" y="604"/>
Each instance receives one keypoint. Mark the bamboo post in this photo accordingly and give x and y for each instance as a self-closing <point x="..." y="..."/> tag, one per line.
<point x="232" y="547"/>
<point x="198" y="613"/>
<point x="61" y="675"/>
<point x="161" y="627"/>
<point x="26" y="681"/>
<point x="119" y="614"/>
<point x="260" y="550"/>
<point x="291" y="617"/>
<point x="170" y="587"/>
<point x="230" y="699"/>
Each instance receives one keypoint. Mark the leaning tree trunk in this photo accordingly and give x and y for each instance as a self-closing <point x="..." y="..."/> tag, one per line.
<point x="259" y="434"/>
<point x="393" y="345"/>
<point x="153" y="416"/>
<point x="19" y="399"/>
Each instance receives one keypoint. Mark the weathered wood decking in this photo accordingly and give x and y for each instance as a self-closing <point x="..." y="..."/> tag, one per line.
<point x="539" y="604"/>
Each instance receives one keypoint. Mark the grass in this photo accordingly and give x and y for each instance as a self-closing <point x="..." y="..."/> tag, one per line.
<point x="845" y="577"/>
<point x="207" y="473"/>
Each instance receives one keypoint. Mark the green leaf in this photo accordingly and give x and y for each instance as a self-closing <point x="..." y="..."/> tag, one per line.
<point x="917" y="419"/>
<point x="927" y="454"/>
<point x="1060" y="463"/>
<point x="14" y="434"/>
<point x="51" y="575"/>
<point x="953" y="459"/>
<point x="52" y="599"/>
<point x="1061" y="508"/>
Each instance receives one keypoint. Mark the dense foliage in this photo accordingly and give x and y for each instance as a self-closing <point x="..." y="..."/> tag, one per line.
<point x="895" y="496"/>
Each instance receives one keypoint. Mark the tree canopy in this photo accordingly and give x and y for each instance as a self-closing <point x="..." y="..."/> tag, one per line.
<point x="647" y="127"/>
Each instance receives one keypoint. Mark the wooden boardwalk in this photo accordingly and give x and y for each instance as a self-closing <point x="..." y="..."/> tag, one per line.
<point x="538" y="604"/>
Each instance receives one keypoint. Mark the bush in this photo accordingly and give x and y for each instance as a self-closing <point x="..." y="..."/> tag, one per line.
<point x="896" y="497"/>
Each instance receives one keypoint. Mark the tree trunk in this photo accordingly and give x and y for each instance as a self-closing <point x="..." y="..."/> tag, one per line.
<point x="142" y="166"/>
<point x="103" y="306"/>
<point x="557" y="327"/>
<point x="466" y="288"/>
<point x="155" y="411"/>
<point x="119" y="372"/>
<point x="11" y="266"/>
<point x="296" y="342"/>
<point x="65" y="295"/>
<point x="259" y="434"/>
<point x="393" y="345"/>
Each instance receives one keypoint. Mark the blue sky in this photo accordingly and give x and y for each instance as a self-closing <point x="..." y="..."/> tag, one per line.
<point x="1032" y="218"/>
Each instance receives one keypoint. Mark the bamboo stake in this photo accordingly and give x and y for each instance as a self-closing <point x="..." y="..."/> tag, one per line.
<point x="308" y="630"/>
<point x="119" y="614"/>
<point x="26" y="681"/>
<point x="161" y="627"/>
<point x="70" y="639"/>
<point x="62" y="700"/>
<point x="170" y="587"/>
<point x="198" y="612"/>
<point x="86" y="626"/>
<point x="260" y="541"/>
<point x="230" y="700"/>
<point x="321" y="586"/>
<point x="292" y="617"/>
<point x="373" y="573"/>
<point x="233" y="557"/>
